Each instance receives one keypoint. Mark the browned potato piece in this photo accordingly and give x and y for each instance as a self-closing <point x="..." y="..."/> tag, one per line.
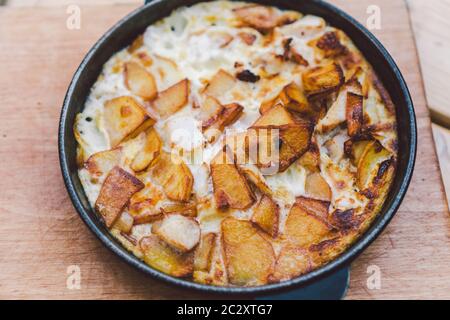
<point x="180" y="232"/>
<point x="102" y="162"/>
<point x="248" y="256"/>
<point x="220" y="83"/>
<point x="355" y="149"/>
<point x="150" y="151"/>
<point x="304" y="228"/>
<point x="136" y="44"/>
<point x="140" y="81"/>
<point x="188" y="209"/>
<point x="266" y="215"/>
<point x="231" y="189"/>
<point x="256" y="178"/>
<point x="147" y="124"/>
<point x="291" y="262"/>
<point x="174" y="176"/>
<point x="317" y="187"/>
<point x="330" y="45"/>
<point x="311" y="158"/>
<point x="373" y="155"/>
<point x="115" y="193"/>
<point x="147" y="216"/>
<point x="322" y="80"/>
<point x="227" y="115"/>
<point x="297" y="136"/>
<point x="296" y="99"/>
<point x="317" y="207"/>
<point x="122" y="116"/>
<point x="203" y="253"/>
<point x="172" y="99"/>
<point x="291" y="97"/>
<point x="275" y="116"/>
<point x="354" y="114"/>
<point x="162" y="257"/>
<point x="262" y="18"/>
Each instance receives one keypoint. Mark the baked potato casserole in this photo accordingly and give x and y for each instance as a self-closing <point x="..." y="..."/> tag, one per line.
<point x="236" y="144"/>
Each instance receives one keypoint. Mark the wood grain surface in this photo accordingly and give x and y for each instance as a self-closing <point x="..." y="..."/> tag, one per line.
<point x="41" y="235"/>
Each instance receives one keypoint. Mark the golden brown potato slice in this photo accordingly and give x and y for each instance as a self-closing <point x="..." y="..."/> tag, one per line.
<point x="139" y="81"/>
<point x="355" y="149"/>
<point x="204" y="252"/>
<point x="296" y="99"/>
<point x="226" y="116"/>
<point x="248" y="256"/>
<point x="231" y="189"/>
<point x="262" y="18"/>
<point x="179" y="231"/>
<point x="304" y="228"/>
<point x="329" y="45"/>
<point x="172" y="99"/>
<point x="275" y="116"/>
<point x="220" y="84"/>
<point x="147" y="216"/>
<point x="253" y="175"/>
<point x="266" y="215"/>
<point x="373" y="155"/>
<point x="317" y="207"/>
<point x="101" y="163"/>
<point x="354" y="114"/>
<point x="174" y="176"/>
<point x="147" y="124"/>
<point x="122" y="116"/>
<point x="297" y="136"/>
<point x="292" y="262"/>
<point x="151" y="149"/>
<point x="188" y="209"/>
<point x="311" y="158"/>
<point x="317" y="188"/>
<point x="136" y="44"/>
<point x="115" y="193"/>
<point x="322" y="80"/>
<point x="162" y="257"/>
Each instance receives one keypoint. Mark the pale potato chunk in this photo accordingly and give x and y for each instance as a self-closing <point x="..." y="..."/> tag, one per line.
<point x="159" y="255"/>
<point x="172" y="99"/>
<point x="220" y="84"/>
<point x="275" y="116"/>
<point x="139" y="81"/>
<point x="115" y="193"/>
<point x="317" y="187"/>
<point x="249" y="257"/>
<point x="179" y="231"/>
<point x="121" y="117"/>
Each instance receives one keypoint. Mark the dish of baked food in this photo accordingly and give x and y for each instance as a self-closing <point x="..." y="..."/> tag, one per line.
<point x="236" y="144"/>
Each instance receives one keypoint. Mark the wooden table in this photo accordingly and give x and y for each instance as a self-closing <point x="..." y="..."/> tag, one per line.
<point x="41" y="235"/>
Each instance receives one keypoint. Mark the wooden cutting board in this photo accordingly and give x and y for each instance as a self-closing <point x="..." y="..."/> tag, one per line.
<point x="41" y="235"/>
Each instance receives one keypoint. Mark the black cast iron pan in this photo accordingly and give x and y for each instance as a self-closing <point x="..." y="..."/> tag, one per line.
<point x="121" y="35"/>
